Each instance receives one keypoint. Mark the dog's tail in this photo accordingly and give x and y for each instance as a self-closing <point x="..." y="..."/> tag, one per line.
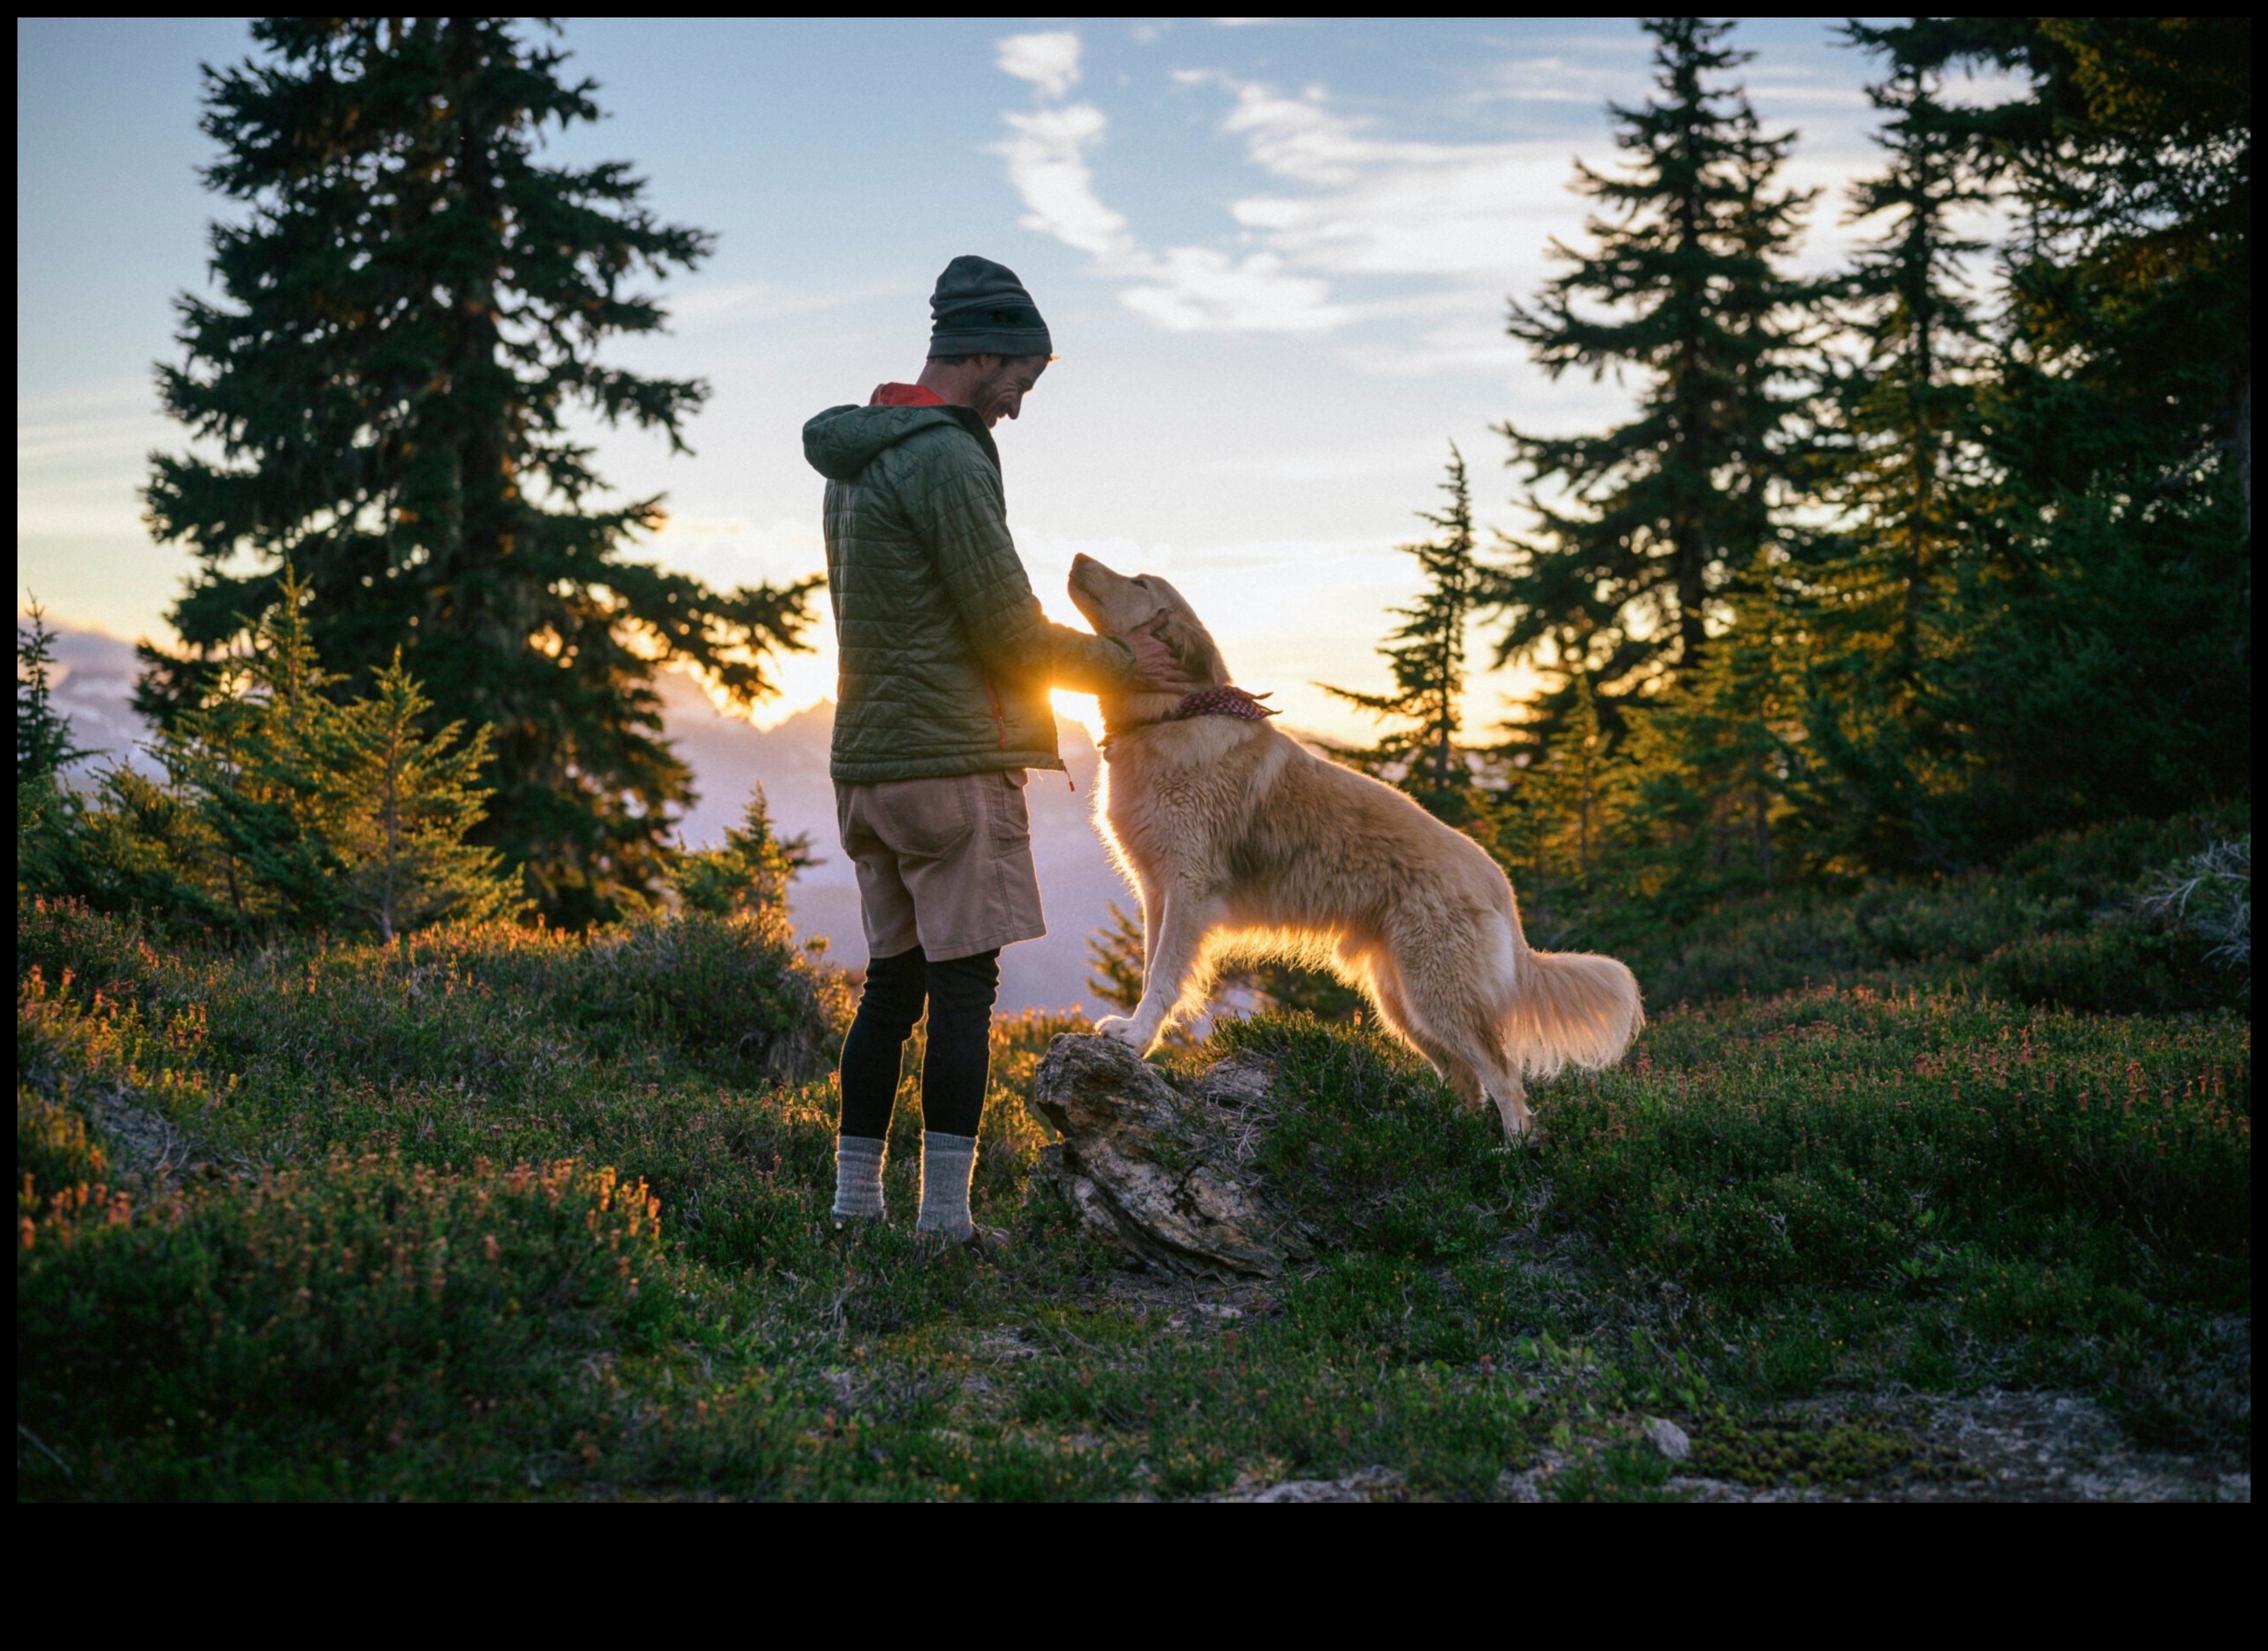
<point x="1569" y="1008"/>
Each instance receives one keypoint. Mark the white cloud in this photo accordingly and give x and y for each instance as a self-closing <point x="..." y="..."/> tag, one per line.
<point x="1345" y="201"/>
<point x="1198" y="289"/>
<point x="1048" y="164"/>
<point x="1049" y="62"/>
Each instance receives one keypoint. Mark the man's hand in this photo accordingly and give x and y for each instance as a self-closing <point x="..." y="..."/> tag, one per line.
<point x="1157" y="667"/>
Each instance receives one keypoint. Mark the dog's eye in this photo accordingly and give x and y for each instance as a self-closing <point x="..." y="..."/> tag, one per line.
<point x="1141" y="584"/>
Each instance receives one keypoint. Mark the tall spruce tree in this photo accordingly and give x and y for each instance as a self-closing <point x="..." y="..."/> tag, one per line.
<point x="1691" y="299"/>
<point x="1708" y="765"/>
<point x="1900" y="459"/>
<point x="414" y="308"/>
<point x="2104" y="659"/>
<point x="1426" y="653"/>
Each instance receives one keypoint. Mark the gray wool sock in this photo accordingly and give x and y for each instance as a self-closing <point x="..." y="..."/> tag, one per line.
<point x="947" y="1163"/>
<point x="858" y="1176"/>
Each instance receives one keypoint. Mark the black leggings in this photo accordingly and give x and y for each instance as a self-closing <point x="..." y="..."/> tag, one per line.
<point x="959" y="996"/>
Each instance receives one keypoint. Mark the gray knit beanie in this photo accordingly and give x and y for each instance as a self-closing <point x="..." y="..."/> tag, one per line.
<point x="981" y="309"/>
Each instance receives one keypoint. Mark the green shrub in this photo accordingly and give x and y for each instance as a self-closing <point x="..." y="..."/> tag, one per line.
<point x="360" y="1322"/>
<point x="1831" y="1138"/>
<point x="1367" y="1146"/>
<point x="2120" y="967"/>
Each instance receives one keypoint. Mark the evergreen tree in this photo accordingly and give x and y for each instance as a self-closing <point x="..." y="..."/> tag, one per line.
<point x="397" y="807"/>
<point x="1563" y="798"/>
<point x="1426" y="653"/>
<point x="2102" y="667"/>
<point x="1685" y="271"/>
<point x="282" y="809"/>
<point x="413" y="307"/>
<point x="750" y="872"/>
<point x="1901" y="461"/>
<point x="1114" y="953"/>
<point x="47" y="813"/>
<point x="44" y="745"/>
<point x="253" y="763"/>
<point x="1710" y="764"/>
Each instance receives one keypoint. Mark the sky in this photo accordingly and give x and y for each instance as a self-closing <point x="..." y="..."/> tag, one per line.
<point x="1274" y="256"/>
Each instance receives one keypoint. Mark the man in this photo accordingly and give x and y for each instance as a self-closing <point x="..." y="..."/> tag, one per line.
<point x="941" y="705"/>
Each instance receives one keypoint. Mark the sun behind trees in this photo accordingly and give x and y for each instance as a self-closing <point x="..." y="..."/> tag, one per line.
<point x="414" y="306"/>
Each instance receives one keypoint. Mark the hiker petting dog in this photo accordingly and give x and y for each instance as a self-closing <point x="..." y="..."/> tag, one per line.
<point x="941" y="704"/>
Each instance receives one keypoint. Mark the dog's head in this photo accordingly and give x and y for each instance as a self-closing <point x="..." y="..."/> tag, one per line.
<point x="1117" y="605"/>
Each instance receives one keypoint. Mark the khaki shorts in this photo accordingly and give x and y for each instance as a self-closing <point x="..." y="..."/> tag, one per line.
<point x="944" y="863"/>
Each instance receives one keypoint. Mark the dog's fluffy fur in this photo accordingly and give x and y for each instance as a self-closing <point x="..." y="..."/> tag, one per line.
<point x="1242" y="841"/>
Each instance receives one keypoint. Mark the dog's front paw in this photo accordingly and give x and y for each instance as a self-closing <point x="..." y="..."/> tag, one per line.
<point x="1121" y="1027"/>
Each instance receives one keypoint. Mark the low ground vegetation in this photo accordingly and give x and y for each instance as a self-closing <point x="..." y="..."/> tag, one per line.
<point x="494" y="1212"/>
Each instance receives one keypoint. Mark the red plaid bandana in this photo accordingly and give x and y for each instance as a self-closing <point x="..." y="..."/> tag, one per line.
<point x="1220" y="702"/>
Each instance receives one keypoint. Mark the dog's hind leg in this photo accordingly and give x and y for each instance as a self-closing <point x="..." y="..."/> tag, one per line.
<point x="1395" y="1009"/>
<point x="1499" y="1078"/>
<point x="1448" y="1012"/>
<point x="1175" y="930"/>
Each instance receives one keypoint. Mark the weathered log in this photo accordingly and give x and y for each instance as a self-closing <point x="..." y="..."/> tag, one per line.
<point x="1164" y="1175"/>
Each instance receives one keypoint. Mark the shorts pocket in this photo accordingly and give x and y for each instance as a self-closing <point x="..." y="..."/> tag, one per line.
<point x="1010" y="825"/>
<point x="926" y="820"/>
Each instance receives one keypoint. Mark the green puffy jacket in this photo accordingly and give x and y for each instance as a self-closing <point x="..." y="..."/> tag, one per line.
<point x="947" y="659"/>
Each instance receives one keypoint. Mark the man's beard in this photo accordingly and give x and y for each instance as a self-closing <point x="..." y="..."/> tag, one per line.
<point x="988" y="390"/>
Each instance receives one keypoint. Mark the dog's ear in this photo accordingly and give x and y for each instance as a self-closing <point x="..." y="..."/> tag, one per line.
<point x="1193" y="651"/>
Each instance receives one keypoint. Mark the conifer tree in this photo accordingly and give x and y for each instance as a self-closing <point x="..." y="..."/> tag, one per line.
<point x="1564" y="793"/>
<point x="1688" y="298"/>
<point x="251" y="762"/>
<point x="750" y="872"/>
<point x="397" y="804"/>
<point x="2102" y="663"/>
<point x="1710" y="764"/>
<point x="282" y="809"/>
<point x="47" y="813"/>
<point x="1114" y="953"/>
<point x="1426" y="653"/>
<point x="414" y="305"/>
<point x="44" y="745"/>
<point x="1901" y="459"/>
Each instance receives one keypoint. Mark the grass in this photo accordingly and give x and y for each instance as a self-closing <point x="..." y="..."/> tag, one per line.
<point x="501" y="1214"/>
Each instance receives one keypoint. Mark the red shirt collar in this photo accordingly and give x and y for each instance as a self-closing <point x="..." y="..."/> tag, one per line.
<point x="904" y="395"/>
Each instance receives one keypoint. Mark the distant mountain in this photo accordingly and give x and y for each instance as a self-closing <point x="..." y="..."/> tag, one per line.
<point x="93" y="684"/>
<point x="94" y="680"/>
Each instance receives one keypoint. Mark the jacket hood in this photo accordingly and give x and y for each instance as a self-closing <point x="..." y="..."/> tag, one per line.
<point x="842" y="441"/>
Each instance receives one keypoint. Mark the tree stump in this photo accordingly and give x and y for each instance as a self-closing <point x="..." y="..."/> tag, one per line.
<point x="1165" y="1174"/>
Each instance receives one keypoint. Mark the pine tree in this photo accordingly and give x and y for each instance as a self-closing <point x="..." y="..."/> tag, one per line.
<point x="414" y="308"/>
<point x="282" y="809"/>
<point x="750" y="872"/>
<point x="1660" y="511"/>
<point x="1902" y="460"/>
<point x="1426" y="653"/>
<point x="1114" y="953"/>
<point x="1710" y="764"/>
<point x="396" y="806"/>
<point x="1563" y="800"/>
<point x="2103" y="664"/>
<point x="47" y="813"/>
<point x="44" y="745"/>
<point x="252" y="760"/>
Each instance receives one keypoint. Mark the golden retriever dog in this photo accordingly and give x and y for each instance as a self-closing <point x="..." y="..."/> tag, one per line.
<point x="1242" y="841"/>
